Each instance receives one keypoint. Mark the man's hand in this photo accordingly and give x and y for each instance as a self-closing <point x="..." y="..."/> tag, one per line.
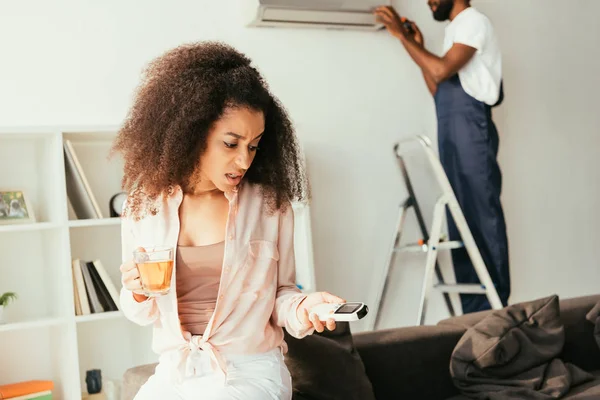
<point x="417" y="36"/>
<point x="392" y="21"/>
<point x="435" y="69"/>
<point x="312" y="300"/>
<point x="397" y="25"/>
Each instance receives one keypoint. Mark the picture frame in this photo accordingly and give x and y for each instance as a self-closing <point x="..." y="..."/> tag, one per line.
<point x="15" y="207"/>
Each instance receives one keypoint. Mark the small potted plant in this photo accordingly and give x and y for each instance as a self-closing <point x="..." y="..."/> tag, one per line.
<point x="5" y="300"/>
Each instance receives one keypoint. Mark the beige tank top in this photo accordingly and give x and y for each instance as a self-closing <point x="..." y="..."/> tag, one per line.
<point x="198" y="278"/>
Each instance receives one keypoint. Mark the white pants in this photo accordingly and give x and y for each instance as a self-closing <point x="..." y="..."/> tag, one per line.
<point x="249" y="377"/>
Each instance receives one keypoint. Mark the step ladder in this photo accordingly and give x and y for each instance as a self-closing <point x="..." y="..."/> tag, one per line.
<point x="431" y="244"/>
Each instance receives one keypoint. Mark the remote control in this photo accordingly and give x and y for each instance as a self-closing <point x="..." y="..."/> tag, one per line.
<point x="341" y="312"/>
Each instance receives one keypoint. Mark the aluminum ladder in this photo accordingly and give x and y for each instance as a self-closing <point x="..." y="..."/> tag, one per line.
<point x="431" y="244"/>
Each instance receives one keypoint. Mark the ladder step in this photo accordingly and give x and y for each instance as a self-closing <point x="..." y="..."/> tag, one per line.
<point x="423" y="248"/>
<point x="461" y="288"/>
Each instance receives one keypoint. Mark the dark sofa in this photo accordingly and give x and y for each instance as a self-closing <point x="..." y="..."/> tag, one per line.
<point x="413" y="363"/>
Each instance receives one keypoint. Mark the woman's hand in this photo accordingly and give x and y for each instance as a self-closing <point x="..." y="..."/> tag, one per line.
<point x="130" y="278"/>
<point x="312" y="300"/>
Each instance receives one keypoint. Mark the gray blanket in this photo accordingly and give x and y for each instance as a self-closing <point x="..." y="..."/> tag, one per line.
<point x="512" y="354"/>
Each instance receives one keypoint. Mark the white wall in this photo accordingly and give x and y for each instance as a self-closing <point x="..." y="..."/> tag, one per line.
<point x="549" y="143"/>
<point x="351" y="95"/>
<point x="550" y="129"/>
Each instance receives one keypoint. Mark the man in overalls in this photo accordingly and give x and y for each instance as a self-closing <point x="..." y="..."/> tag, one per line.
<point x="466" y="83"/>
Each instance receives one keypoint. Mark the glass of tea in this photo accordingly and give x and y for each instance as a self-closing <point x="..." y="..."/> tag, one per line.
<point x="155" y="266"/>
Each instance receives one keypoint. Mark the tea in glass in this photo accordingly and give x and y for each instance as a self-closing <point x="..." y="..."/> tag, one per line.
<point x="155" y="266"/>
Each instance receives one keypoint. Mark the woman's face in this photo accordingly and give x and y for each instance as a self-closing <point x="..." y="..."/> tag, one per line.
<point x="231" y="146"/>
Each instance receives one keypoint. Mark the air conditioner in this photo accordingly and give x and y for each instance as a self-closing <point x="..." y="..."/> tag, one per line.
<point x="331" y="14"/>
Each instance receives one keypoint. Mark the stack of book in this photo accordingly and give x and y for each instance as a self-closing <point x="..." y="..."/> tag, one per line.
<point x="38" y="390"/>
<point x="94" y="291"/>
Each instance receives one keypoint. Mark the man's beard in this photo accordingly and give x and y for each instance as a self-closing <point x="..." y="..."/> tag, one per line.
<point x="443" y="11"/>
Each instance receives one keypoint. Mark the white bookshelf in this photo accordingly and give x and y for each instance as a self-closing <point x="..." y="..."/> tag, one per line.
<point x="43" y="338"/>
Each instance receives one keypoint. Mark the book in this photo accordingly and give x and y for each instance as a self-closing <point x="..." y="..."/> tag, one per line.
<point x="21" y="390"/>
<point x="103" y="296"/>
<point x="76" y="300"/>
<point x="112" y="289"/>
<point x="79" y="192"/>
<point x="45" y="395"/>
<point x="81" y="291"/>
<point x="94" y="291"/>
<point x="95" y="304"/>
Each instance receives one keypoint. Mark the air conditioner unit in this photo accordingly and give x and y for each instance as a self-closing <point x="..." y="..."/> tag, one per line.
<point x="331" y="14"/>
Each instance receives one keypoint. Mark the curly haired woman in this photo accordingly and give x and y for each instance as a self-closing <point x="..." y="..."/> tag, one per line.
<point x="211" y="165"/>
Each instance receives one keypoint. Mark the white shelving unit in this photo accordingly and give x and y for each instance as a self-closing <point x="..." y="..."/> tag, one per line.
<point x="43" y="339"/>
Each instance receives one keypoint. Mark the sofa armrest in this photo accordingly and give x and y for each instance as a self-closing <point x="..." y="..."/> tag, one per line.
<point x="409" y="363"/>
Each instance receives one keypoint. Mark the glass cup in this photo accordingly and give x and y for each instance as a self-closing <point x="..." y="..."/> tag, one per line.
<point x="155" y="266"/>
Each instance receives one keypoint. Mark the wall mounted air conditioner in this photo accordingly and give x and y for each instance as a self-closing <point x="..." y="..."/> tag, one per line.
<point x="332" y="14"/>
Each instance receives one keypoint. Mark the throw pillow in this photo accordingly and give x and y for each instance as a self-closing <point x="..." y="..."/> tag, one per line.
<point x="512" y="354"/>
<point x="326" y="366"/>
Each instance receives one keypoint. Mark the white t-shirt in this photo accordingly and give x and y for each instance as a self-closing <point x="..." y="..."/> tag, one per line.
<point x="481" y="76"/>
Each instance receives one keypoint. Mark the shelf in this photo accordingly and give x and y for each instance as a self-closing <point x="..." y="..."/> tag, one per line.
<point x="94" y="222"/>
<point x="39" y="323"/>
<point x="99" y="316"/>
<point x="20" y="133"/>
<point x="39" y="226"/>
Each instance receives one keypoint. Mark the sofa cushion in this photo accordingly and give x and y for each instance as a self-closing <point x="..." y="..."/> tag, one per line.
<point x="326" y="366"/>
<point x="512" y="353"/>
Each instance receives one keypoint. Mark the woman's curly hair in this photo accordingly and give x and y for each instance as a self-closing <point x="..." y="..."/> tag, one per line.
<point x="181" y="95"/>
